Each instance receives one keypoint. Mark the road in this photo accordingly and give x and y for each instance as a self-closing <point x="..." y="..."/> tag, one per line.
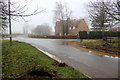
<point x="93" y="65"/>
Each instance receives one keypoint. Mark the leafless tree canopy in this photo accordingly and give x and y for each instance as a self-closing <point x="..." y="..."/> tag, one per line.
<point x="43" y="29"/>
<point x="20" y="11"/>
<point x="113" y="9"/>
<point x="61" y="12"/>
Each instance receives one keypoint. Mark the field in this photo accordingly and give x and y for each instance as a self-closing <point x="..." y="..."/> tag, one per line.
<point x="110" y="47"/>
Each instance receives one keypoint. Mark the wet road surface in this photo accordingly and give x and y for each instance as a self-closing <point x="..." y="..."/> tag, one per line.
<point x="93" y="65"/>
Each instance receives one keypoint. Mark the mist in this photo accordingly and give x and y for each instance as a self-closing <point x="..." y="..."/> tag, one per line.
<point x="78" y="8"/>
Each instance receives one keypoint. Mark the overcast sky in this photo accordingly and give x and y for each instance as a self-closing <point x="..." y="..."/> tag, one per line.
<point x="78" y="8"/>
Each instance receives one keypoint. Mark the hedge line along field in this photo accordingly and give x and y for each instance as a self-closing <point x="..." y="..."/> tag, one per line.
<point x="22" y="60"/>
<point x="98" y="34"/>
<point x="54" y="36"/>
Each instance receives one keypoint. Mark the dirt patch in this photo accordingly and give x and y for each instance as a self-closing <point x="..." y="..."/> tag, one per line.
<point x="40" y="73"/>
<point x="37" y="74"/>
<point x="60" y="64"/>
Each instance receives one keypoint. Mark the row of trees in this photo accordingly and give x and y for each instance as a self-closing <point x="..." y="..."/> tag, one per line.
<point x="104" y="13"/>
<point x="43" y="29"/>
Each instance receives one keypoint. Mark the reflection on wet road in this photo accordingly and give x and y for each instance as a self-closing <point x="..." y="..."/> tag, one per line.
<point x="93" y="65"/>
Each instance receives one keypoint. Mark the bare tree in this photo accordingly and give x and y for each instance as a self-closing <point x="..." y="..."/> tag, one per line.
<point x="63" y="14"/>
<point x="43" y="29"/>
<point x="100" y="19"/>
<point x="68" y="16"/>
<point x="59" y="15"/>
<point x="15" y="12"/>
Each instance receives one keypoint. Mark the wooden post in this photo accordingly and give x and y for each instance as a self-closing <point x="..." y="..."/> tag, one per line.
<point x="10" y="31"/>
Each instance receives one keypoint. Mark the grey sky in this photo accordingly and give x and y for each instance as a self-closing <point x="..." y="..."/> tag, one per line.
<point x="78" y="8"/>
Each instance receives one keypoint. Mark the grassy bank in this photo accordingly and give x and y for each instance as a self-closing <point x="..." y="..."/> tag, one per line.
<point x="111" y="47"/>
<point x="24" y="61"/>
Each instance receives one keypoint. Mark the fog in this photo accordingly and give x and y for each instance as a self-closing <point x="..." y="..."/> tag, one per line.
<point x="78" y="7"/>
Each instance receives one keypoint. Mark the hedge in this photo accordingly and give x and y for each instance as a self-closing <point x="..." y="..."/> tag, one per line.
<point x="54" y="36"/>
<point x="98" y="34"/>
<point x="83" y="34"/>
<point x="95" y="34"/>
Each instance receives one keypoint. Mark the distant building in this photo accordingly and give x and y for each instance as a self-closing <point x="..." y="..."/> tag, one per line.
<point x="74" y="26"/>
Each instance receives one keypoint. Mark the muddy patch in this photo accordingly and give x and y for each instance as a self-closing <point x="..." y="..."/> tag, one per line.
<point x="37" y="74"/>
<point x="40" y="73"/>
<point x="60" y="64"/>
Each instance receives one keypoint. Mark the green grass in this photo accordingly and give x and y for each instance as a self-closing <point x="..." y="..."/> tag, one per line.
<point x="22" y="58"/>
<point x="91" y="42"/>
<point x="113" y="42"/>
<point x="0" y="58"/>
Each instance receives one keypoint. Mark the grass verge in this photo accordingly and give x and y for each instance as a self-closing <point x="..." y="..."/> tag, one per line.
<point x="110" y="49"/>
<point x="24" y="61"/>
